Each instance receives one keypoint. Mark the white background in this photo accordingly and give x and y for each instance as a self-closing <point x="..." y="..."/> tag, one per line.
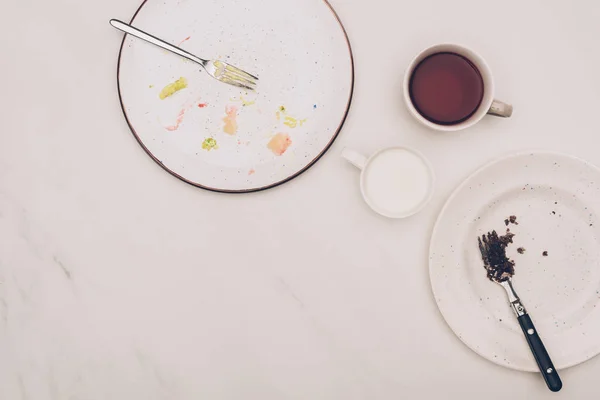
<point x="117" y="281"/>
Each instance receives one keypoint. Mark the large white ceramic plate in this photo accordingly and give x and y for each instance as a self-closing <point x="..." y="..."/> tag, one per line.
<point x="556" y="199"/>
<point x="300" y="52"/>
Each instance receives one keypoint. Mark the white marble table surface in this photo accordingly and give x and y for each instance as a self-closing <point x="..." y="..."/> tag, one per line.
<point x="117" y="281"/>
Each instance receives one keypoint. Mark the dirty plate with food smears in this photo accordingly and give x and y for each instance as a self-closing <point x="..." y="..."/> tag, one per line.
<point x="217" y="136"/>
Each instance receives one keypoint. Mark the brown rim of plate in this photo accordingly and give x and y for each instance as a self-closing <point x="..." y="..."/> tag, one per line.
<point x="289" y="178"/>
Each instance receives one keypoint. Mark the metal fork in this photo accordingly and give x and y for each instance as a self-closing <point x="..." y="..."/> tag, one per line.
<point x="220" y="70"/>
<point x="536" y="345"/>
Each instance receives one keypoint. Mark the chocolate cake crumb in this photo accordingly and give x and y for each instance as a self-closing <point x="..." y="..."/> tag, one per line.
<point x="513" y="220"/>
<point x="521" y="250"/>
<point x="545" y="254"/>
<point x="493" y="252"/>
<point x="506" y="222"/>
<point x="554" y="212"/>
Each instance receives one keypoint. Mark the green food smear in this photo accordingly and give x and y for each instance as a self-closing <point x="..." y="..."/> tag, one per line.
<point x="209" y="144"/>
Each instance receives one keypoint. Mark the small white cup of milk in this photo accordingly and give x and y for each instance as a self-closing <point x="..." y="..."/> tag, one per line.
<point x="396" y="182"/>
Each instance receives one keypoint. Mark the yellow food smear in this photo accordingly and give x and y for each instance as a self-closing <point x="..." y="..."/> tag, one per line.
<point x="242" y="100"/>
<point x="288" y="120"/>
<point x="246" y="103"/>
<point x="209" y="144"/>
<point x="291" y="122"/>
<point x="173" y="88"/>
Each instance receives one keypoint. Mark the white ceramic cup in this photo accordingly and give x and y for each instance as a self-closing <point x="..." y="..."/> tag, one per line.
<point x="488" y="105"/>
<point x="421" y="179"/>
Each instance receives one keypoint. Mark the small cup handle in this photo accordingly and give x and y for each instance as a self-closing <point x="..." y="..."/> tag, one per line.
<point x="354" y="158"/>
<point x="500" y="109"/>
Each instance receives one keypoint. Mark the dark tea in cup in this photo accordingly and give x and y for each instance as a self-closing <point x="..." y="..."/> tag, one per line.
<point x="446" y="88"/>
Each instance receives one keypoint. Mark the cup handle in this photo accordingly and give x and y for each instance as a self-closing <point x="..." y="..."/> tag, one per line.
<point x="354" y="158"/>
<point x="500" y="109"/>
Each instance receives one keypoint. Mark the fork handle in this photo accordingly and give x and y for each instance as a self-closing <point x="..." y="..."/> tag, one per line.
<point x="540" y="354"/>
<point x="122" y="26"/>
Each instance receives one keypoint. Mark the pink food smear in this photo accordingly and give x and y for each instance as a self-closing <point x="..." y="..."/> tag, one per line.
<point x="231" y="125"/>
<point x="178" y="121"/>
<point x="182" y="113"/>
<point x="251" y="172"/>
<point x="279" y="143"/>
<point x="184" y="40"/>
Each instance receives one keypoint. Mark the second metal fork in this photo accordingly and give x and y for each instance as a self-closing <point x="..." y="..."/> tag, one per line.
<point x="219" y="70"/>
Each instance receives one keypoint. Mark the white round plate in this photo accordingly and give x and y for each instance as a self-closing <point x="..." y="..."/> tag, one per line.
<point x="556" y="200"/>
<point x="301" y="54"/>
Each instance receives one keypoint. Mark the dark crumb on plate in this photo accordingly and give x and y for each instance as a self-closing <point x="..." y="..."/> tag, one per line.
<point x="521" y="250"/>
<point x="506" y="222"/>
<point x="545" y="254"/>
<point x="513" y="220"/>
<point x="493" y="252"/>
<point x="554" y="212"/>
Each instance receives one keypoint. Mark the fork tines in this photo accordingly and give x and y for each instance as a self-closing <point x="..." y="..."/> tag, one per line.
<point x="234" y="76"/>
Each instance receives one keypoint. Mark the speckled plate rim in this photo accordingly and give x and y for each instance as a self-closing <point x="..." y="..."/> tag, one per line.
<point x="289" y="178"/>
<point x="441" y="215"/>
